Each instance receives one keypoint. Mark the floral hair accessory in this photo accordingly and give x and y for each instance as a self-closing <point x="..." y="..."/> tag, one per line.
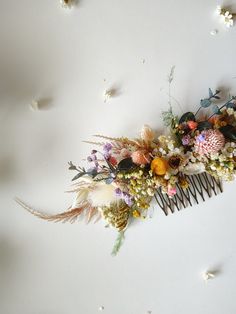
<point x="178" y="170"/>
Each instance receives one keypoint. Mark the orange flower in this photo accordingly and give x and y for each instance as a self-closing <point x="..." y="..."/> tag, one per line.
<point x="140" y="157"/>
<point x="192" y="125"/>
<point x="159" y="166"/>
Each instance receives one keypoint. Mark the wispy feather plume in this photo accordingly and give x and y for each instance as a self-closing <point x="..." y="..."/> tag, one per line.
<point x="71" y="215"/>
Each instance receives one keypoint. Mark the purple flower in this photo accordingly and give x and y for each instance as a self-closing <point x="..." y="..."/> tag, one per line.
<point x="128" y="199"/>
<point x="118" y="192"/>
<point x="201" y="137"/>
<point x="186" y="140"/>
<point x="89" y="159"/>
<point x="107" y="147"/>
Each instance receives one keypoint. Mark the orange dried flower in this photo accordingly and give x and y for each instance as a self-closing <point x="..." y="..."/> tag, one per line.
<point x="159" y="166"/>
<point x="192" y="125"/>
<point x="140" y="157"/>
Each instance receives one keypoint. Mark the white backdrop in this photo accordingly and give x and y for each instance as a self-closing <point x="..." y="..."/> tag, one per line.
<point x="66" y="59"/>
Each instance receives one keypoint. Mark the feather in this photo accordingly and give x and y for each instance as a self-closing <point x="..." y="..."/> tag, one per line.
<point x="70" y="215"/>
<point x="102" y="195"/>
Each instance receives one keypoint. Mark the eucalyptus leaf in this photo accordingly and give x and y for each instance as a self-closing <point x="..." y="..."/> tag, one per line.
<point x="216" y="109"/>
<point x="126" y="164"/>
<point x="229" y="132"/>
<point x="92" y="172"/>
<point x="109" y="180"/>
<point x="210" y="93"/>
<point x="231" y="105"/>
<point x="79" y="175"/>
<point x="205" y="103"/>
<point x="204" y="125"/>
<point x="188" y="116"/>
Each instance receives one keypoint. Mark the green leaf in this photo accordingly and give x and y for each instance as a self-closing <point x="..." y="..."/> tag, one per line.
<point x="204" y="125"/>
<point x="205" y="103"/>
<point x="216" y="109"/>
<point x="210" y="93"/>
<point x="231" y="105"/>
<point x="92" y="172"/>
<point x="126" y="164"/>
<point x="229" y="132"/>
<point x="188" y="116"/>
<point x="79" y="175"/>
<point x="71" y="166"/>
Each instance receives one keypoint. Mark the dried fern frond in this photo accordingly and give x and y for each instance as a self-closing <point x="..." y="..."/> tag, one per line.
<point x="70" y="215"/>
<point x="108" y="138"/>
<point x="124" y="141"/>
<point x="94" y="143"/>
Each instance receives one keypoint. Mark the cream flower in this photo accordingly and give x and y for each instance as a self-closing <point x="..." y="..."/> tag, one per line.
<point x="147" y="134"/>
<point x="228" y="19"/>
<point x="218" y="10"/>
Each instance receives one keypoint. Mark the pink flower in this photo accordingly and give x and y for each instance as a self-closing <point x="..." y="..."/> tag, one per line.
<point x="171" y="191"/>
<point x="140" y="157"/>
<point x="209" y="141"/>
<point x="125" y="153"/>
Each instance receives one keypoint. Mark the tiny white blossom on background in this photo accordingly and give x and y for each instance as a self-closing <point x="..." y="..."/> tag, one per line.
<point x="34" y="105"/>
<point x="208" y="275"/>
<point x="214" y="32"/>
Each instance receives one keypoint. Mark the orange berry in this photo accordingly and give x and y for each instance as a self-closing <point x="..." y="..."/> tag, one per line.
<point x="159" y="166"/>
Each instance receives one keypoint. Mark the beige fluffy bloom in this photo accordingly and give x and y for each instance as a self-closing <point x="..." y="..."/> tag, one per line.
<point x="147" y="134"/>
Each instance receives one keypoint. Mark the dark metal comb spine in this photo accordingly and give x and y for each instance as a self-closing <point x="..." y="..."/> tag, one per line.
<point x="201" y="186"/>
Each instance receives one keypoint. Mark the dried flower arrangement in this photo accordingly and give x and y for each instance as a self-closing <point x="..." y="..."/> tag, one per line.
<point x="125" y="175"/>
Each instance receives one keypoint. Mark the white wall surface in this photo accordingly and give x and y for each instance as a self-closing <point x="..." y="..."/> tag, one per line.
<point x="62" y="57"/>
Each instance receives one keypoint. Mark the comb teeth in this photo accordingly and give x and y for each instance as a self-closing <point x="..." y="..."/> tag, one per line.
<point x="201" y="187"/>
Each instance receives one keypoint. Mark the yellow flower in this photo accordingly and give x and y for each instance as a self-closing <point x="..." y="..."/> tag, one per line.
<point x="159" y="166"/>
<point x="136" y="214"/>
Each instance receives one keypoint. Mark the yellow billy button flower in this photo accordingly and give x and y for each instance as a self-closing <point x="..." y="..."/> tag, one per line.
<point x="159" y="166"/>
<point x="136" y="214"/>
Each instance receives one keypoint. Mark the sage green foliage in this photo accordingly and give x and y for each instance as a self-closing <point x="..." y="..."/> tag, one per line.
<point x="169" y="119"/>
<point x="118" y="243"/>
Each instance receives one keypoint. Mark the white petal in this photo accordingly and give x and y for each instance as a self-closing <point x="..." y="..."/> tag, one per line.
<point x="102" y="195"/>
<point x="196" y="168"/>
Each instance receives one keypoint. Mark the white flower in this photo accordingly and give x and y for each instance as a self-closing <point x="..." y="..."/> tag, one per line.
<point x="230" y="111"/>
<point x="162" y="151"/>
<point x="222" y="158"/>
<point x="147" y="134"/>
<point x="195" y="168"/>
<point x="218" y="10"/>
<point x="228" y="19"/>
<point x="170" y="145"/>
<point x="102" y="195"/>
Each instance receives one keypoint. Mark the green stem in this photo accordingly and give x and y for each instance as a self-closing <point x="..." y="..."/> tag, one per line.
<point x="198" y="111"/>
<point x="233" y="97"/>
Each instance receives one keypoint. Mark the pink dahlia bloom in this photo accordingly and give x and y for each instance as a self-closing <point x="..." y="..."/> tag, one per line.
<point x="209" y="141"/>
